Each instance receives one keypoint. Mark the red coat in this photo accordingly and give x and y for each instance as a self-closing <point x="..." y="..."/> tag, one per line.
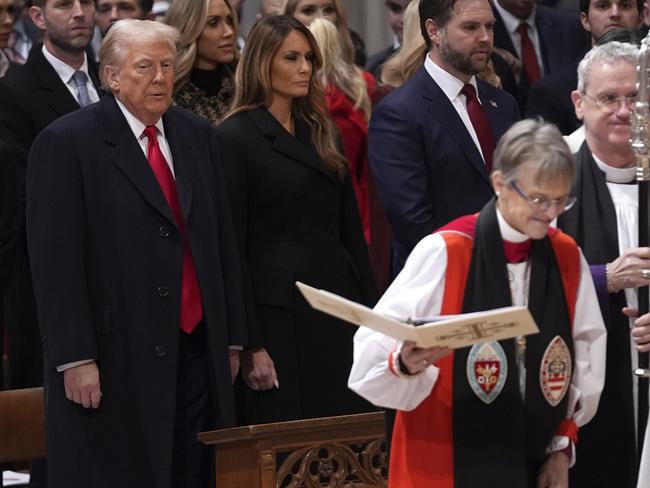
<point x="353" y="127"/>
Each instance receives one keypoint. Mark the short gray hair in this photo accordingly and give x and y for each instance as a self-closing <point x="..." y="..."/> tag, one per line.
<point x="612" y="52"/>
<point x="125" y="33"/>
<point x="534" y="142"/>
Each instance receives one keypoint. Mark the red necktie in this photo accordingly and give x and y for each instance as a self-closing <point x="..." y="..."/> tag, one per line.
<point x="481" y="124"/>
<point x="191" y="309"/>
<point x="517" y="252"/>
<point x="528" y="55"/>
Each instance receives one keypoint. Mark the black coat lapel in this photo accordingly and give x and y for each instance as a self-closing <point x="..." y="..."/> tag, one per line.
<point x="185" y="156"/>
<point x="439" y="106"/>
<point x="129" y="157"/>
<point x="297" y="148"/>
<point x="48" y="83"/>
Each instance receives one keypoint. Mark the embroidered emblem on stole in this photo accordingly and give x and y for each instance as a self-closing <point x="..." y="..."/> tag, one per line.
<point x="487" y="370"/>
<point x="555" y="371"/>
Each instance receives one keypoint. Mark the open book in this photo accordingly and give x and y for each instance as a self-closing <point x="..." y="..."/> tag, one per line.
<point x="451" y="331"/>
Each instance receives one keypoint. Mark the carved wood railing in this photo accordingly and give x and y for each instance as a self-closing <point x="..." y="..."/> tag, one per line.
<point x="334" y="452"/>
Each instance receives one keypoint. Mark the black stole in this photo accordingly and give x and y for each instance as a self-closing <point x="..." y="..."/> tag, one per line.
<point x="592" y="223"/>
<point x="495" y="444"/>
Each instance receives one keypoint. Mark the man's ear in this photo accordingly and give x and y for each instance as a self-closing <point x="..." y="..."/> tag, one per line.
<point x="578" y="99"/>
<point x="37" y="16"/>
<point x="584" y="20"/>
<point x="112" y="78"/>
<point x="433" y="32"/>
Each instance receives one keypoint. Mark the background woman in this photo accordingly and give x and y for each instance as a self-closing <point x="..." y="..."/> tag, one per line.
<point x="347" y="94"/>
<point x="296" y="218"/>
<point x="206" y="57"/>
<point x="308" y="10"/>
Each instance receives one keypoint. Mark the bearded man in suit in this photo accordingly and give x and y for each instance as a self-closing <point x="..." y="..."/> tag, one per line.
<point x="136" y="276"/>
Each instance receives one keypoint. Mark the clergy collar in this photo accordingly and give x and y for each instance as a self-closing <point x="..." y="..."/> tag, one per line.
<point x="509" y="233"/>
<point x="616" y="175"/>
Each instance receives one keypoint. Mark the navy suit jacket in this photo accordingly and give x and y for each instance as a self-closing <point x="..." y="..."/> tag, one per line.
<point x="427" y="167"/>
<point x="562" y="41"/>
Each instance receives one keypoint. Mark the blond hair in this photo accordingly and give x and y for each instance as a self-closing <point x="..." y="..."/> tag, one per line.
<point x="335" y="70"/>
<point x="341" y="25"/>
<point x="254" y="88"/>
<point x="190" y="18"/>
<point x="124" y="34"/>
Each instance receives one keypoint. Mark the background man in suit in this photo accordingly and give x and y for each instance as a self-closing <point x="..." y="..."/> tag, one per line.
<point x="550" y="98"/>
<point x="136" y="275"/>
<point x="431" y="140"/>
<point x="110" y="11"/>
<point x="50" y="84"/>
<point x="543" y="38"/>
<point x="395" y="14"/>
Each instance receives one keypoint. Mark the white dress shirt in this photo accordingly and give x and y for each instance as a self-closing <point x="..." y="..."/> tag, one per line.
<point x="511" y="24"/>
<point x="451" y="87"/>
<point x="65" y="72"/>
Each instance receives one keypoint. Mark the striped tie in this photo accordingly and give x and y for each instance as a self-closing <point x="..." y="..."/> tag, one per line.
<point x="80" y="78"/>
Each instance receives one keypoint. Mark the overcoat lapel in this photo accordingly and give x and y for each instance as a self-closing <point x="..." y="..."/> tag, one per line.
<point x="130" y="159"/>
<point x="296" y="148"/>
<point x="48" y="83"/>
<point x="439" y="107"/>
<point x="185" y="158"/>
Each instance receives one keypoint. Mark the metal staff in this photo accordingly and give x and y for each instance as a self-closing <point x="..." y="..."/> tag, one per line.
<point x="640" y="141"/>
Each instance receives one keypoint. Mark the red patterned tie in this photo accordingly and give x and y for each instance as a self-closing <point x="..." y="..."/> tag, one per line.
<point x="191" y="308"/>
<point x="481" y="124"/>
<point x="528" y="55"/>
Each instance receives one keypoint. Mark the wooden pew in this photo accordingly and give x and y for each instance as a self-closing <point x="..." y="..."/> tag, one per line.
<point x="346" y="451"/>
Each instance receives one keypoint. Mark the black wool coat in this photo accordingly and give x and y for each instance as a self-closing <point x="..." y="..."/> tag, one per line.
<point x="106" y="257"/>
<point x="295" y="221"/>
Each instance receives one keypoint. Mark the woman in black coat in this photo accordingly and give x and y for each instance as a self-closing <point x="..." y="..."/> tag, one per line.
<point x="296" y="219"/>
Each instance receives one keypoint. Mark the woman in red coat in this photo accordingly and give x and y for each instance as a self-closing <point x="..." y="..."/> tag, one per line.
<point x="347" y="93"/>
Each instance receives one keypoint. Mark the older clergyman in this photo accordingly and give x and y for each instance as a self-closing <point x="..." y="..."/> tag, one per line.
<point x="604" y="224"/>
<point x="136" y="277"/>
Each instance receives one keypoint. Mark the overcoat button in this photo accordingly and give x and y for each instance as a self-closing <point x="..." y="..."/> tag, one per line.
<point x="159" y="351"/>
<point x="162" y="291"/>
<point x="163" y="231"/>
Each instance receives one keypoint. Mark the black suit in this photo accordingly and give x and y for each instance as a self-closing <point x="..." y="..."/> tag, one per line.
<point x="10" y="219"/>
<point x="550" y="98"/>
<point x="562" y="41"/>
<point x="295" y="221"/>
<point x="31" y="97"/>
<point x="427" y="167"/>
<point x="106" y="257"/>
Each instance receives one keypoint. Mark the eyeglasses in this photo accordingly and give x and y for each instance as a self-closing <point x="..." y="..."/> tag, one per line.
<point x="609" y="103"/>
<point x="542" y="204"/>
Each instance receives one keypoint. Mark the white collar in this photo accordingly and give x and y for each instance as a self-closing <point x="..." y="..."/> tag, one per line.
<point x="511" y="22"/>
<point x="137" y="127"/>
<point x="64" y="70"/>
<point x="616" y="175"/>
<point x="509" y="233"/>
<point x="448" y="83"/>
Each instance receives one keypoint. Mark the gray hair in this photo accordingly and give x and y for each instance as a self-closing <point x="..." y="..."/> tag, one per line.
<point x="124" y="33"/>
<point x="612" y="52"/>
<point x="538" y="143"/>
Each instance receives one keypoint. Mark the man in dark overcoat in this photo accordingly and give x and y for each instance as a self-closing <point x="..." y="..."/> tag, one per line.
<point x="136" y="275"/>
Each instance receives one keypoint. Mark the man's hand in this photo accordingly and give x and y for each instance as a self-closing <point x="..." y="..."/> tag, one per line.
<point x="234" y="363"/>
<point x="258" y="370"/>
<point x="641" y="330"/>
<point x="82" y="385"/>
<point x="417" y="359"/>
<point x="628" y="270"/>
<point x="554" y="472"/>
